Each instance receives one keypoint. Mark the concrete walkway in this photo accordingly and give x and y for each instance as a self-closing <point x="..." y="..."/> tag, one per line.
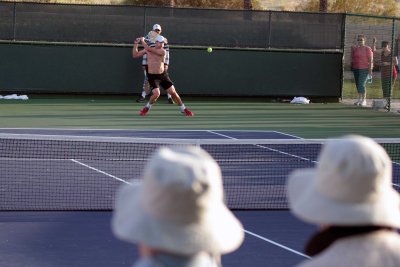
<point x="395" y="104"/>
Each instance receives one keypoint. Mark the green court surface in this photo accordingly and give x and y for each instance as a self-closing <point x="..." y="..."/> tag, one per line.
<point x="315" y="120"/>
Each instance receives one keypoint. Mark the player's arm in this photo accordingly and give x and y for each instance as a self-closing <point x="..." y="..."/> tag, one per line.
<point x="160" y="52"/>
<point x="166" y="63"/>
<point x="135" y="52"/>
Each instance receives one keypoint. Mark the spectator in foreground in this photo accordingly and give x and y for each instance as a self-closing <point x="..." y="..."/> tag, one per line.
<point x="177" y="216"/>
<point x="349" y="195"/>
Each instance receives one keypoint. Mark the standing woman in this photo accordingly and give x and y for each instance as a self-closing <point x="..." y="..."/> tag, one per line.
<point x="361" y="66"/>
<point x="387" y="69"/>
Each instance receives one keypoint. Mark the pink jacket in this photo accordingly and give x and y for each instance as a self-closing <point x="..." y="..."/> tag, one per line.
<point x="361" y="57"/>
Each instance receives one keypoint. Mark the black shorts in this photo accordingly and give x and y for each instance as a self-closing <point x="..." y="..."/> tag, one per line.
<point x="155" y="80"/>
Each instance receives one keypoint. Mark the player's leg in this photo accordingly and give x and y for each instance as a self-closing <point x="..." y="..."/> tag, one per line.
<point x="168" y="85"/>
<point x="170" y="100"/>
<point x="154" y="82"/>
<point x="175" y="96"/>
<point x="145" y="88"/>
<point x="153" y="98"/>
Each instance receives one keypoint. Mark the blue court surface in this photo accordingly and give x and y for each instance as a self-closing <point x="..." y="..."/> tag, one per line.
<point x="83" y="238"/>
<point x="66" y="239"/>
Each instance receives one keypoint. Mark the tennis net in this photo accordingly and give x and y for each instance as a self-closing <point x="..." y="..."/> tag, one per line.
<point x="83" y="173"/>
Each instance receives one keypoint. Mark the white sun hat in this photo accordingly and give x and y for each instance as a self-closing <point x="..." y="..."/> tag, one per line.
<point x="179" y="206"/>
<point x="351" y="185"/>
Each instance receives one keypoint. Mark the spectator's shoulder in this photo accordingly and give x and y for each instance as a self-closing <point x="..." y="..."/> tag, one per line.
<point x="147" y="262"/>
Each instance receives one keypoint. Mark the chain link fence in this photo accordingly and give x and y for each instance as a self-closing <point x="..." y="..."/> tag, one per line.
<point x="382" y="92"/>
<point x="183" y="26"/>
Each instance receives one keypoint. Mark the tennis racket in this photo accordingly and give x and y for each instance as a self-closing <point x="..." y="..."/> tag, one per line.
<point x="151" y="37"/>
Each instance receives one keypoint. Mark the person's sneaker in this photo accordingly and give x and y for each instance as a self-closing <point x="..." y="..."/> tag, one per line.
<point x="357" y="103"/>
<point x="144" y="111"/>
<point x="363" y="103"/>
<point x="140" y="99"/>
<point x="171" y="101"/>
<point x="187" y="112"/>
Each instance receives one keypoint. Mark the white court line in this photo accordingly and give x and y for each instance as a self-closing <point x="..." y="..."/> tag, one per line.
<point x="223" y="135"/>
<point x="287" y="154"/>
<point x="288" y="134"/>
<point x="277" y="244"/>
<point x="100" y="171"/>
<point x="248" y="232"/>
<point x="271" y="149"/>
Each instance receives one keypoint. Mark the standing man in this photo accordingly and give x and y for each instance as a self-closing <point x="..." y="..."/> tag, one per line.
<point x="150" y="38"/>
<point x="156" y="73"/>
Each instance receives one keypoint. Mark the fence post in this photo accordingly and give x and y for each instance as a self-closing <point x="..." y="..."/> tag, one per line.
<point x="14" y="21"/>
<point x="389" y="100"/>
<point x="144" y="20"/>
<point x="269" y="29"/>
<point x="343" y="45"/>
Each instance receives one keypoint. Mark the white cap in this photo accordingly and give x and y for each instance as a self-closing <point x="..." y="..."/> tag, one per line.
<point x="160" y="39"/>
<point x="156" y="27"/>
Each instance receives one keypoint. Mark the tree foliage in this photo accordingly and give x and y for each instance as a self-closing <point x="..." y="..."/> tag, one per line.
<point x="223" y="4"/>
<point x="373" y="7"/>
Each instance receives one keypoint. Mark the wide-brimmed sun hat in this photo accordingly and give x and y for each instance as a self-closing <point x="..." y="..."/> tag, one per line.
<point x="179" y="205"/>
<point x="351" y="186"/>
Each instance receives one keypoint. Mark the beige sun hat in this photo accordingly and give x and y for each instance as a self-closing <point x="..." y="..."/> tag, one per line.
<point x="351" y="185"/>
<point x="179" y="206"/>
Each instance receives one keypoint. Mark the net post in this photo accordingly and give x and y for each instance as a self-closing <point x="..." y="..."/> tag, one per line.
<point x="198" y="143"/>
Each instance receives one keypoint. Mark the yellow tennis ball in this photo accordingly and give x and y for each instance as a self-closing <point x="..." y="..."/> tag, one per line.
<point x="209" y="50"/>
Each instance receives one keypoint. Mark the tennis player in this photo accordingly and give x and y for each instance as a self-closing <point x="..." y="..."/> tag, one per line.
<point x="156" y="73"/>
<point x="150" y="42"/>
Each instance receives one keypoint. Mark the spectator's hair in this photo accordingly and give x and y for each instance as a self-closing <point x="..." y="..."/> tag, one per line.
<point x="384" y="44"/>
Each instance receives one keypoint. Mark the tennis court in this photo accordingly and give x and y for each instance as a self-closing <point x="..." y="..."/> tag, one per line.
<point x="36" y="234"/>
<point x="62" y="157"/>
<point x="58" y="187"/>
